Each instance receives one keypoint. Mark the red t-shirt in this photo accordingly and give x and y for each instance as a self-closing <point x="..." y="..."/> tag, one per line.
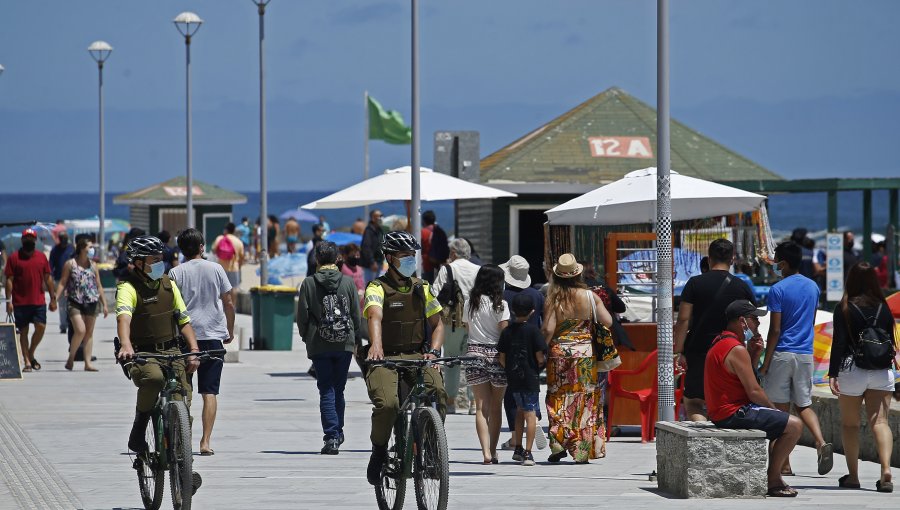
<point x="28" y="278"/>
<point x="723" y="391"/>
<point x="426" y="247"/>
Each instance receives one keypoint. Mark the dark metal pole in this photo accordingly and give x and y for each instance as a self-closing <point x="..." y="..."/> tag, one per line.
<point x="666" y="371"/>
<point x="101" y="239"/>
<point x="263" y="185"/>
<point x="415" y="208"/>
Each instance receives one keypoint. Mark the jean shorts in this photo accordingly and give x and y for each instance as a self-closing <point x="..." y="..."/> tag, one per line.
<point x="751" y="416"/>
<point x="527" y="401"/>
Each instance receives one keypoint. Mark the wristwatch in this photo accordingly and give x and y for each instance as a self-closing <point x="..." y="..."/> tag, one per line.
<point x="435" y="352"/>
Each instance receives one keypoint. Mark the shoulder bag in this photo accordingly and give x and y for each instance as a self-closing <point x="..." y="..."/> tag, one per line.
<point x="605" y="353"/>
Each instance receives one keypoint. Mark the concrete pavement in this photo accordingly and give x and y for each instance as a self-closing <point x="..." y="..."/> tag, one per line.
<point x="75" y="424"/>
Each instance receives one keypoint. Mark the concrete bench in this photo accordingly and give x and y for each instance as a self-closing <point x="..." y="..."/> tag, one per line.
<point x="699" y="460"/>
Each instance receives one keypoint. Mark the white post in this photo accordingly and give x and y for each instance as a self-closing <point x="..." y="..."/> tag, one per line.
<point x="190" y="174"/>
<point x="101" y="239"/>
<point x="366" y="149"/>
<point x="415" y="206"/>
<point x="263" y="254"/>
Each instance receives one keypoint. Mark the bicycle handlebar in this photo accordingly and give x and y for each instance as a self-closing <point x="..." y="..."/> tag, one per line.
<point x="141" y="358"/>
<point x="451" y="361"/>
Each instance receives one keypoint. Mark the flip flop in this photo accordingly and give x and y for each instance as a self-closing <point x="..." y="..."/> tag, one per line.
<point x="826" y="459"/>
<point x="35" y="365"/>
<point x="884" y="486"/>
<point x="843" y="483"/>
<point x="207" y="453"/>
<point x="789" y="472"/>
<point x="27" y="368"/>
<point x="91" y="369"/>
<point x="781" y="491"/>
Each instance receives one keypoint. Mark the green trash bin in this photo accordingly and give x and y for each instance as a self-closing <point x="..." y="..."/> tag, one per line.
<point x="273" y="311"/>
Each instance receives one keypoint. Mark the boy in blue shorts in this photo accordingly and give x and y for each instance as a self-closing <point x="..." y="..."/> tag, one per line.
<point x="522" y="349"/>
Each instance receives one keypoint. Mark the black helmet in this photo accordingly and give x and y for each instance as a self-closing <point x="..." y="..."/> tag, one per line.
<point x="143" y="246"/>
<point x="399" y="240"/>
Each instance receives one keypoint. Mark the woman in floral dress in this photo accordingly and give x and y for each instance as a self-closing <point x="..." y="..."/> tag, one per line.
<point x="574" y="399"/>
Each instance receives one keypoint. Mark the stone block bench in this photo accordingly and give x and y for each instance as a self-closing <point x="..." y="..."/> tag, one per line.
<point x="698" y="460"/>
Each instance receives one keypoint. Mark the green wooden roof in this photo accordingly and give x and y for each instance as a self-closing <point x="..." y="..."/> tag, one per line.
<point x="568" y="148"/>
<point x="174" y="191"/>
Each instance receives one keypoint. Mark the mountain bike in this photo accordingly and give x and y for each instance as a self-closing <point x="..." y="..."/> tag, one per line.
<point x="417" y="447"/>
<point x="169" y="437"/>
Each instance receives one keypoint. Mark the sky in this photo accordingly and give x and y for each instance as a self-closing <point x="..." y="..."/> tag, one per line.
<point x="807" y="88"/>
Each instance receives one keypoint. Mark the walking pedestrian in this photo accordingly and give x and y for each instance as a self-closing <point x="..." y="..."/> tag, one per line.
<point x="291" y="234"/>
<point x="81" y="282"/>
<point x="273" y="230"/>
<point x="170" y="253"/>
<point x="573" y="388"/>
<point x="206" y="291"/>
<point x="787" y="373"/>
<point x="311" y="261"/>
<point x="60" y="254"/>
<point x="488" y="316"/>
<point x="328" y="319"/>
<point x="857" y="377"/>
<point x="702" y="311"/>
<point x="27" y="273"/>
<point x="349" y="264"/>
<point x="229" y="252"/>
<point x="242" y="231"/>
<point x="371" y="253"/>
<point x="435" y="245"/>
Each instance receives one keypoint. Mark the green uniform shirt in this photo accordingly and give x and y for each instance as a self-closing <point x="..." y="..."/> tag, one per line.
<point x="126" y="300"/>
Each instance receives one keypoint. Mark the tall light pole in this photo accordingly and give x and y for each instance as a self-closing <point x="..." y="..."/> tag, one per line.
<point x="188" y="23"/>
<point x="263" y="185"/>
<point x="100" y="51"/>
<point x="666" y="373"/>
<point x="2" y="69"/>
<point x="414" y="173"/>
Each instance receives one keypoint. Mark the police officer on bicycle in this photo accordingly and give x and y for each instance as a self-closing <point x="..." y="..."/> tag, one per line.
<point x="149" y="314"/>
<point x="397" y="306"/>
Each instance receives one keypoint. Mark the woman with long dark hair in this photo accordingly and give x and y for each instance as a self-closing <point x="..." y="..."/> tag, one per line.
<point x="574" y="397"/>
<point x="81" y="282"/>
<point x="863" y="305"/>
<point x="488" y="316"/>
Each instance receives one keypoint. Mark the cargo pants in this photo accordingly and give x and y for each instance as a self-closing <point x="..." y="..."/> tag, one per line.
<point x="150" y="380"/>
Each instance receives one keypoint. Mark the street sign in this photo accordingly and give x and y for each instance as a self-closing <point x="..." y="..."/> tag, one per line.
<point x="834" y="267"/>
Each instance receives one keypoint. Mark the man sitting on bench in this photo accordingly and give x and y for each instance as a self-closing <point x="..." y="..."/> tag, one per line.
<point x="734" y="398"/>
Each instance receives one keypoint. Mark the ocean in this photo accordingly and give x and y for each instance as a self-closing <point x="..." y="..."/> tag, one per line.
<point x="786" y="212"/>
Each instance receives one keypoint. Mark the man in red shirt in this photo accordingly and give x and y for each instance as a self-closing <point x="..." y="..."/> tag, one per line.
<point x="27" y="273"/>
<point x="734" y="398"/>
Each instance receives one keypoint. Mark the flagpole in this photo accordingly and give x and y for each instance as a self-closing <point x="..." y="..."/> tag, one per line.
<point x="366" y="150"/>
<point x="415" y="194"/>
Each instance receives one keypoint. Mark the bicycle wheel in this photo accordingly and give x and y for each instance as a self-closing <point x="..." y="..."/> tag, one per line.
<point x="392" y="490"/>
<point x="432" y="464"/>
<point x="180" y="455"/>
<point x="150" y="474"/>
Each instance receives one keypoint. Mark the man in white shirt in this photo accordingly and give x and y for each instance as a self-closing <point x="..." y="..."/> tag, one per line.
<point x="455" y="341"/>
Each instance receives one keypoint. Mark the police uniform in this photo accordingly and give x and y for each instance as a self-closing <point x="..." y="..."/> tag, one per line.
<point x="157" y="311"/>
<point x="405" y="309"/>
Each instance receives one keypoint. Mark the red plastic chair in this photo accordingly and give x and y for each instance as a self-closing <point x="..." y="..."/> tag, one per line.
<point x="646" y="397"/>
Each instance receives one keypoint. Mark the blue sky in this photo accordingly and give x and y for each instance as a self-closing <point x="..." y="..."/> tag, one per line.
<point x="807" y="88"/>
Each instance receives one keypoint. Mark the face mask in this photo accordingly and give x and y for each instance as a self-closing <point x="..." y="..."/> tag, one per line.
<point x="353" y="261"/>
<point x="156" y="270"/>
<point x="28" y="245"/>
<point x="407" y="266"/>
<point x="748" y="333"/>
<point x="777" y="270"/>
<point x="91" y="253"/>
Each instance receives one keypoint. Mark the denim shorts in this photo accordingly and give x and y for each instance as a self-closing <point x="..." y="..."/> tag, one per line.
<point x="751" y="416"/>
<point x="29" y="314"/>
<point x="527" y="401"/>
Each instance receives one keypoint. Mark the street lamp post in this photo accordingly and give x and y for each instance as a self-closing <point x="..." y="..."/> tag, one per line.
<point x="263" y="254"/>
<point x="416" y="219"/>
<point x="188" y="23"/>
<point x="100" y="51"/>
<point x="2" y="69"/>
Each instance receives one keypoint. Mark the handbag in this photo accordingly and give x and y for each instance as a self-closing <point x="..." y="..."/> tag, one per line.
<point x="605" y="352"/>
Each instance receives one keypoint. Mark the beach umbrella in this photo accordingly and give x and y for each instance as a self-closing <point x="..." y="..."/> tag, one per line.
<point x="632" y="199"/>
<point x="299" y="215"/>
<point x="395" y="185"/>
<point x="86" y="225"/>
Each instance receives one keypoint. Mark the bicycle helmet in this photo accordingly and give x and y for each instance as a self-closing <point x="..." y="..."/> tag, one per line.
<point x="143" y="246"/>
<point x="399" y="240"/>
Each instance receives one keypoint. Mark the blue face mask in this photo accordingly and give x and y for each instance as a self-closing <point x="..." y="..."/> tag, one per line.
<point x="777" y="270"/>
<point x="407" y="266"/>
<point x="91" y="252"/>
<point x="156" y="270"/>
<point x="748" y="333"/>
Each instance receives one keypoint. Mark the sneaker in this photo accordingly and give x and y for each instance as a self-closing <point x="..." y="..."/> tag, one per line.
<point x="331" y="447"/>
<point x="472" y="409"/>
<point x="196" y="482"/>
<point x="527" y="458"/>
<point x="540" y="438"/>
<point x="508" y="445"/>
<point x="519" y="454"/>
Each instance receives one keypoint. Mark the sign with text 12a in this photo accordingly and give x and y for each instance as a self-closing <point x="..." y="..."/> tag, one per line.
<point x="834" y="267"/>
<point x="621" y="147"/>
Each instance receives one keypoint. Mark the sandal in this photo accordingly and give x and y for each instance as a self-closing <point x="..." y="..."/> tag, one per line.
<point x="35" y="365"/>
<point x="207" y="453"/>
<point x="844" y="484"/>
<point x="782" y="491"/>
<point x="556" y="457"/>
<point x="826" y="459"/>
<point x="884" y="486"/>
<point x="91" y="369"/>
<point x="27" y="368"/>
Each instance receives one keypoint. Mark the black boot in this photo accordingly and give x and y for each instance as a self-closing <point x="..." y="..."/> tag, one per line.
<point x="137" y="441"/>
<point x="376" y="461"/>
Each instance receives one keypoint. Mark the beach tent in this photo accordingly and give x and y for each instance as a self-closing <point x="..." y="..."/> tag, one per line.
<point x="87" y="225"/>
<point x="632" y="200"/>
<point x="395" y="185"/>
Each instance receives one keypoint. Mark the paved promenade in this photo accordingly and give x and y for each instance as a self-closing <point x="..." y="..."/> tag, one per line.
<point x="63" y="436"/>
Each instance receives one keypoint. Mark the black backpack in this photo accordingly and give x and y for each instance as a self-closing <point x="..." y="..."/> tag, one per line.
<point x="452" y="300"/>
<point x="334" y="323"/>
<point x="873" y="348"/>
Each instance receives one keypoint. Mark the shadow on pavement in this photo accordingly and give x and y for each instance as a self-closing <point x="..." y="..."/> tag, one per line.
<point x="280" y="400"/>
<point x="298" y="375"/>
<point x="316" y="453"/>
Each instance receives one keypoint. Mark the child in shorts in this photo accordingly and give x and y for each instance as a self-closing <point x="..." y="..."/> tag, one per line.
<point x="521" y="348"/>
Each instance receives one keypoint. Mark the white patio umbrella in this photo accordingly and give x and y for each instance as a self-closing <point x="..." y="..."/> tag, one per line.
<point x="632" y="199"/>
<point x="395" y="185"/>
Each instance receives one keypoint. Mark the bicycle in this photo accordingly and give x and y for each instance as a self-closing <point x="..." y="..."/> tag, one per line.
<point x="417" y="447"/>
<point x="169" y="439"/>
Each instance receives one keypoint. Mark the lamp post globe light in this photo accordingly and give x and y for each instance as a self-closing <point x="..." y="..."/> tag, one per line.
<point x="2" y="69"/>
<point x="100" y="51"/>
<point x="187" y="24"/>
<point x="263" y="185"/>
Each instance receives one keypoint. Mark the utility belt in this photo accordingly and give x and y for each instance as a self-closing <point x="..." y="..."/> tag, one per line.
<point x="174" y="343"/>
<point x="401" y="353"/>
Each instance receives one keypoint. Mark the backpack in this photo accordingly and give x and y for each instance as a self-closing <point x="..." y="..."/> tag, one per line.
<point x="225" y="249"/>
<point x="874" y="347"/>
<point x="452" y="300"/>
<point x="334" y="321"/>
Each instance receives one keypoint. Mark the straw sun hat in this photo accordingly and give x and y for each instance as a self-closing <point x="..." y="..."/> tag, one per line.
<point x="567" y="266"/>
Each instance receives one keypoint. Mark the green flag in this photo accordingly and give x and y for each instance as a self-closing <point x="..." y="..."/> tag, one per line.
<point x="387" y="125"/>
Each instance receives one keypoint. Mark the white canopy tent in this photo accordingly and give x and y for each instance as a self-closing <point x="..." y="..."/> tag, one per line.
<point x="632" y="199"/>
<point x="395" y="185"/>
